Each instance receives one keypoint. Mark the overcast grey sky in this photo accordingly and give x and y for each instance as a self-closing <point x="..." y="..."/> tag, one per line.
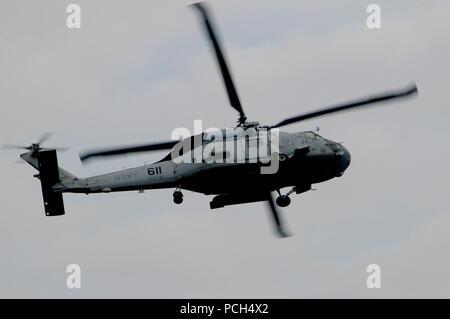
<point x="138" y="69"/>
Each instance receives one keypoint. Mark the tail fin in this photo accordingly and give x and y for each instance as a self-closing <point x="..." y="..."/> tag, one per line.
<point x="49" y="176"/>
<point x="49" y="173"/>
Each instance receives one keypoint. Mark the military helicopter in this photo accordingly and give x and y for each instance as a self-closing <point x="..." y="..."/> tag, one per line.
<point x="240" y="156"/>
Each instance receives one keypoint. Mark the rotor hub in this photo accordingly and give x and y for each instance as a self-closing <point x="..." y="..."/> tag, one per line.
<point x="247" y="125"/>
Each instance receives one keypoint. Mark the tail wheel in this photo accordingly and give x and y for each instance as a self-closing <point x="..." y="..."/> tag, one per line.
<point x="177" y="197"/>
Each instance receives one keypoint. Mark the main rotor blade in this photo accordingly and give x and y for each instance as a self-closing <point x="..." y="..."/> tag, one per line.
<point x="129" y="149"/>
<point x="231" y="90"/>
<point x="276" y="217"/>
<point x="412" y="89"/>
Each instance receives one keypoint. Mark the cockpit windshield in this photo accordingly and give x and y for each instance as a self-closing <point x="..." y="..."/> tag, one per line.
<point x="311" y="135"/>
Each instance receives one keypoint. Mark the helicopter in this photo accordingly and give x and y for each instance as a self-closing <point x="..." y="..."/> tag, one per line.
<point x="239" y="165"/>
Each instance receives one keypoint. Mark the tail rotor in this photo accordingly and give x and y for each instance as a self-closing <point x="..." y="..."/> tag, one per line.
<point x="34" y="147"/>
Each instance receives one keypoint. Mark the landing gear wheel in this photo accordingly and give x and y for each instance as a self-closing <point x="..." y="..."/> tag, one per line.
<point x="283" y="201"/>
<point x="177" y="197"/>
<point x="282" y="157"/>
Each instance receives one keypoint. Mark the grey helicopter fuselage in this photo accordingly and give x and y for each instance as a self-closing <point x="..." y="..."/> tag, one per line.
<point x="306" y="158"/>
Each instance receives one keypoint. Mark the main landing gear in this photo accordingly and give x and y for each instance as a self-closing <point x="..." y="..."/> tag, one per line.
<point x="284" y="200"/>
<point x="177" y="196"/>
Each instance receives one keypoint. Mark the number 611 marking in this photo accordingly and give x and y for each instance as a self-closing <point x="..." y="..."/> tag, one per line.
<point x="154" y="170"/>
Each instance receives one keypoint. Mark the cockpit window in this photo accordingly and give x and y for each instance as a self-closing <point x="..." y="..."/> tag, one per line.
<point x="310" y="134"/>
<point x="335" y="147"/>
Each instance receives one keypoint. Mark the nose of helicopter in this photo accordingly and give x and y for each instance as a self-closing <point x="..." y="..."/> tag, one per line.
<point x="345" y="159"/>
